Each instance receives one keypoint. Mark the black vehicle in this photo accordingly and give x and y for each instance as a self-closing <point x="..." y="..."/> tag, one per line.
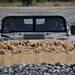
<point x="34" y="27"/>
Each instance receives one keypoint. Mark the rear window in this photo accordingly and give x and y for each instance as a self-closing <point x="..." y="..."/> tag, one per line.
<point x="13" y="25"/>
<point x="49" y="24"/>
<point x="34" y="24"/>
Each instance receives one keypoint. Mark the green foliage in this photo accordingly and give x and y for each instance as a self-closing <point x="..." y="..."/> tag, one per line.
<point x="33" y="2"/>
<point x="9" y="0"/>
<point x="23" y="1"/>
<point x="42" y="0"/>
<point x="73" y="0"/>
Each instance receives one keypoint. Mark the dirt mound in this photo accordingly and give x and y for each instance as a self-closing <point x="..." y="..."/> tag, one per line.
<point x="38" y="46"/>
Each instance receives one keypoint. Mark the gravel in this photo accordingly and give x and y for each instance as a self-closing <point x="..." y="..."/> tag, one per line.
<point x="38" y="69"/>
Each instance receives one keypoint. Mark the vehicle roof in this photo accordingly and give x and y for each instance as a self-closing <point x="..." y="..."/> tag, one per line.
<point x="34" y="17"/>
<point x="35" y="14"/>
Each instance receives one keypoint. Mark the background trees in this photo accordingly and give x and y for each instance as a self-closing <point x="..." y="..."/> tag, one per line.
<point x="33" y="2"/>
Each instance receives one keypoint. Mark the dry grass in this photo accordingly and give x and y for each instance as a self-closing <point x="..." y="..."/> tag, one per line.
<point x="40" y="46"/>
<point x="57" y="4"/>
<point x="11" y="4"/>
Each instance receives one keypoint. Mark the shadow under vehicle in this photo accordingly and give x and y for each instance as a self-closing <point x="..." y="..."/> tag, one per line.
<point x="36" y="27"/>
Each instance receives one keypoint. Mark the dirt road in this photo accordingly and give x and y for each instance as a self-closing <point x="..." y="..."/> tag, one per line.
<point x="67" y="12"/>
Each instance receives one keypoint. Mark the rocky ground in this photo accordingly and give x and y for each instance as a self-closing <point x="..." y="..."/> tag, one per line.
<point x="38" y="69"/>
